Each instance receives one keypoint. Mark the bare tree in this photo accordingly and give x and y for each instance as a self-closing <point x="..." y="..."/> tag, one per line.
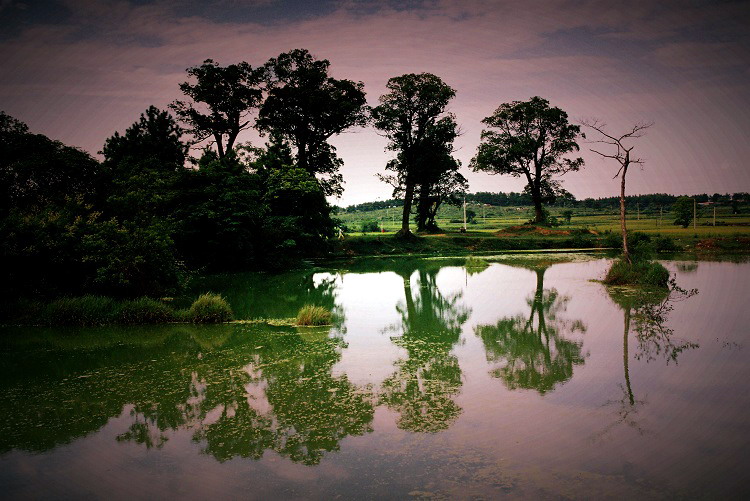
<point x="619" y="149"/>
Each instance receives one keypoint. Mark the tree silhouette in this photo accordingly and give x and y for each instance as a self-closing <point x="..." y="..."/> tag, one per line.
<point x="529" y="140"/>
<point x="412" y="115"/>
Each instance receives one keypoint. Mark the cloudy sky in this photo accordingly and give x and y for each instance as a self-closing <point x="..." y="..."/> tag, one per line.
<point x="77" y="70"/>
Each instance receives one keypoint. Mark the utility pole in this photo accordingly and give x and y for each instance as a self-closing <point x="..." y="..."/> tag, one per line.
<point x="714" y="216"/>
<point x="695" y="212"/>
<point x="464" y="214"/>
<point x="638" y="209"/>
<point x="661" y="208"/>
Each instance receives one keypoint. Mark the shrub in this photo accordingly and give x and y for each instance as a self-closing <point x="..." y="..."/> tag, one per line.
<point x="666" y="244"/>
<point x="612" y="240"/>
<point x="313" y="315"/>
<point x="644" y="273"/>
<point x="370" y="226"/>
<point x="81" y="311"/>
<point x="145" y="311"/>
<point x="210" y="309"/>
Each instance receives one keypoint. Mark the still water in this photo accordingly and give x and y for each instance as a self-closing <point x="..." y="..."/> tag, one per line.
<point x="518" y="379"/>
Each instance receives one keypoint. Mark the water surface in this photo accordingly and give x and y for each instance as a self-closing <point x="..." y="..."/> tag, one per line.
<point x="518" y="379"/>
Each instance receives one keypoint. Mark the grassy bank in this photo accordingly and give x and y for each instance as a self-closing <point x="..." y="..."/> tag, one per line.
<point x="93" y="310"/>
<point x="529" y="238"/>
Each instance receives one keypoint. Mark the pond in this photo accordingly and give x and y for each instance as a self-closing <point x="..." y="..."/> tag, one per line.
<point x="520" y="378"/>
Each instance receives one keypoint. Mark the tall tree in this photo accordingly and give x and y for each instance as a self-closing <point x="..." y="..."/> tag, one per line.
<point x="307" y="106"/>
<point x="412" y="115"/>
<point x="222" y="100"/>
<point x="529" y="139"/>
<point x="620" y="149"/>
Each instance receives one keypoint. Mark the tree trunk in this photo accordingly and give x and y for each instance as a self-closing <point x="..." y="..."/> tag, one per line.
<point x="408" y="197"/>
<point x="219" y="145"/>
<point x="538" y="213"/>
<point x="625" y="252"/>
<point x="423" y="208"/>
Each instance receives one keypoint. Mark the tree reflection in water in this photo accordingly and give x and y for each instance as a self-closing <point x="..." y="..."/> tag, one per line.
<point x="239" y="390"/>
<point x="645" y="314"/>
<point x="425" y="383"/>
<point x="533" y="352"/>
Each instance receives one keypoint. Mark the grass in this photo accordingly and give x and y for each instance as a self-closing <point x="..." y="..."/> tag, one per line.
<point x="145" y="311"/>
<point x="491" y="219"/>
<point x="310" y="315"/>
<point x="210" y="309"/>
<point x="90" y="310"/>
<point x="641" y="273"/>
<point x="81" y="311"/>
<point x="475" y="264"/>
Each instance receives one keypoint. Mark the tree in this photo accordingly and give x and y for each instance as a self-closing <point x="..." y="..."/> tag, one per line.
<point x="530" y="140"/>
<point x="155" y="135"/>
<point x="438" y="178"/>
<point x="227" y="94"/>
<point x="567" y="214"/>
<point x="307" y="107"/>
<point x="412" y="115"/>
<point x="620" y="150"/>
<point x="299" y="220"/>
<point x="683" y="211"/>
<point x="220" y="213"/>
<point x="36" y="172"/>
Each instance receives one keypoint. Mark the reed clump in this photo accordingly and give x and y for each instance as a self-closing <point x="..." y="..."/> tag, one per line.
<point x="310" y="315"/>
<point x="210" y="309"/>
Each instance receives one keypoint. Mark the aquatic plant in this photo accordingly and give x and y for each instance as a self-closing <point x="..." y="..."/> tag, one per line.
<point x="313" y="315"/>
<point x="210" y="309"/>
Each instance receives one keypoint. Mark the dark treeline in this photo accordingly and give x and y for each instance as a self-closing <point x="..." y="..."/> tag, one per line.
<point x="138" y="222"/>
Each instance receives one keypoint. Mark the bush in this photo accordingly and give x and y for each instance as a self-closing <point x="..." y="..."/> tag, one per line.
<point x="370" y="226"/>
<point x="145" y="311"/>
<point x="612" y="240"/>
<point x="644" y="273"/>
<point x="81" y="311"/>
<point x="210" y="309"/>
<point x="313" y="315"/>
<point x="666" y="244"/>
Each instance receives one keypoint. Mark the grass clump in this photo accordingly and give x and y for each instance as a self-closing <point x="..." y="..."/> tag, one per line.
<point x="81" y="311"/>
<point x="644" y="273"/>
<point x="475" y="265"/>
<point x="313" y="315"/>
<point x="144" y="311"/>
<point x="209" y="309"/>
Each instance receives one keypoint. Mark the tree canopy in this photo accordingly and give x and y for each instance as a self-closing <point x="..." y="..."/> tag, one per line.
<point x="529" y="139"/>
<point x="413" y="116"/>
<point x="307" y="107"/>
<point x="222" y="100"/>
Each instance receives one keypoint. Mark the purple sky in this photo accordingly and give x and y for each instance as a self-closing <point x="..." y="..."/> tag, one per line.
<point x="78" y="70"/>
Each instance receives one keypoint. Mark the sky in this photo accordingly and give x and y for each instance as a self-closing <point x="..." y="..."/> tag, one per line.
<point x="79" y="70"/>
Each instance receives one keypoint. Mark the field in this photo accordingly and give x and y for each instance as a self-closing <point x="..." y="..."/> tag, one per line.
<point x="492" y="219"/>
<point x="587" y="228"/>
